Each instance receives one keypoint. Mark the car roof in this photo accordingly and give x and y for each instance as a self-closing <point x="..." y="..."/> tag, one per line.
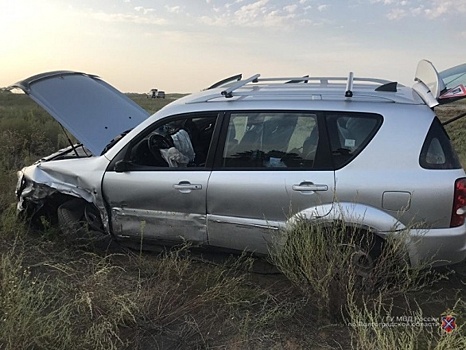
<point x="307" y="88"/>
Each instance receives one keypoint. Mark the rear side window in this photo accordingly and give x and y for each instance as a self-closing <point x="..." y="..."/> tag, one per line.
<point x="350" y="133"/>
<point x="437" y="151"/>
<point x="271" y="140"/>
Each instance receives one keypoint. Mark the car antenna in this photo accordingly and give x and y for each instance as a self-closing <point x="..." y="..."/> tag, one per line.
<point x="69" y="141"/>
<point x="349" y="85"/>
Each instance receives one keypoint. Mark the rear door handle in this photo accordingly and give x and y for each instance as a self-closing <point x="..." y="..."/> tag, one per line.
<point x="309" y="186"/>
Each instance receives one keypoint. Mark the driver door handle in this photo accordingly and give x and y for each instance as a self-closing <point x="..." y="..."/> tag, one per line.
<point x="186" y="187"/>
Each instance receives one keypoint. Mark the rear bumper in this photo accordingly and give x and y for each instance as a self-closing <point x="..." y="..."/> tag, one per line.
<point x="438" y="246"/>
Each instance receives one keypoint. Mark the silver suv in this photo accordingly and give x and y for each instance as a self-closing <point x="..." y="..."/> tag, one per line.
<point x="231" y="165"/>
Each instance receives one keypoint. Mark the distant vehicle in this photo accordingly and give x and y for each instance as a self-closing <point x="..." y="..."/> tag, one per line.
<point x="230" y="166"/>
<point x="152" y="93"/>
<point x="161" y="94"/>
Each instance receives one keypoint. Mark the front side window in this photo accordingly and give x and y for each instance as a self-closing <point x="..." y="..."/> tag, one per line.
<point x="271" y="140"/>
<point x="437" y="151"/>
<point x="177" y="143"/>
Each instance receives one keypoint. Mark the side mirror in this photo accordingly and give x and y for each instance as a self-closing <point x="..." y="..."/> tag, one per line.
<point x="121" y="166"/>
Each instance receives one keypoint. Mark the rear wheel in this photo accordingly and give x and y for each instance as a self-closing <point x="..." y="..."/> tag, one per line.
<point x="365" y="249"/>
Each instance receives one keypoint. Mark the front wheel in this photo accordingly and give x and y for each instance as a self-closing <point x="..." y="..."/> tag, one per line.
<point x="79" y="221"/>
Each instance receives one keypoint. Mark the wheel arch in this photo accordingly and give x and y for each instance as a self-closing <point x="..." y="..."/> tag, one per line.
<point x="352" y="215"/>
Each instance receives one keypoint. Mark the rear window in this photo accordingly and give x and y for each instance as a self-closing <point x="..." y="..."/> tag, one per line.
<point x="437" y="151"/>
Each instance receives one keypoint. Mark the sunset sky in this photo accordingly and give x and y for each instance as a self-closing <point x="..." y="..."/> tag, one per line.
<point x="185" y="46"/>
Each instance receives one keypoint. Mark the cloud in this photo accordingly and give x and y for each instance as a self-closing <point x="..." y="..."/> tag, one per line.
<point x="173" y="9"/>
<point x="322" y="7"/>
<point x="127" y="18"/>
<point x="438" y="9"/>
<point x="291" y="8"/>
<point x="259" y="14"/>
<point x="388" y="2"/>
<point x="430" y="9"/>
<point x="251" y="12"/>
<point x="144" y="10"/>
<point x="396" y="14"/>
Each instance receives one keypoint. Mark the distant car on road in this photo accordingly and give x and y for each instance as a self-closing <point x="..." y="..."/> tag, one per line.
<point x="152" y="93"/>
<point x="161" y="94"/>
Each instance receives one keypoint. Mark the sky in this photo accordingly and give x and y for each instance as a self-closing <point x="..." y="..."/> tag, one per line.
<point x="187" y="45"/>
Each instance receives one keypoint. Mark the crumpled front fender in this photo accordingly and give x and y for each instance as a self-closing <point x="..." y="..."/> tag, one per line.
<point x="35" y="184"/>
<point x="80" y="178"/>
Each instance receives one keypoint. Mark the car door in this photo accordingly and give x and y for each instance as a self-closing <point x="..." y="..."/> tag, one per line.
<point x="272" y="166"/>
<point x="156" y="187"/>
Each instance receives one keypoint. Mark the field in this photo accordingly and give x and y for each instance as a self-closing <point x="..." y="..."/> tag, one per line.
<point x="56" y="294"/>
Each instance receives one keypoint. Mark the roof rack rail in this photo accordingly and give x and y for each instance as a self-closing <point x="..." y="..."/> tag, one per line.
<point x="349" y="85"/>
<point x="384" y="85"/>
<point x="303" y="80"/>
<point x="236" y="77"/>
<point x="228" y="92"/>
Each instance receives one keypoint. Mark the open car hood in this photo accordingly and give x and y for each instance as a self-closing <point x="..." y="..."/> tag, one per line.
<point x="90" y="109"/>
<point x="440" y="88"/>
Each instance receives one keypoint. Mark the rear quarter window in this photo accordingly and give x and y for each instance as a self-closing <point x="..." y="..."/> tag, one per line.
<point x="437" y="151"/>
<point x="350" y="133"/>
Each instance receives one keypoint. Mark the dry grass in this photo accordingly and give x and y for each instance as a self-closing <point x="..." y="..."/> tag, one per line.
<point x="55" y="296"/>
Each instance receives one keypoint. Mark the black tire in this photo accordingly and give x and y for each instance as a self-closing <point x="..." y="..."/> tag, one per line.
<point x="80" y="223"/>
<point x="366" y="254"/>
<point x="71" y="219"/>
<point x="367" y="249"/>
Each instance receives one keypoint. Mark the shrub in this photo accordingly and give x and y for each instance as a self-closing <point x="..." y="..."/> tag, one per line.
<point x="33" y="311"/>
<point x="373" y="323"/>
<point x="328" y="263"/>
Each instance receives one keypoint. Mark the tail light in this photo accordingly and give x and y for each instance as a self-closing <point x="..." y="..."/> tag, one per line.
<point x="459" y="203"/>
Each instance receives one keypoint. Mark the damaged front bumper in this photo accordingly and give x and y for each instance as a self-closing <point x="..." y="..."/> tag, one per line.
<point x="45" y="185"/>
<point x="40" y="186"/>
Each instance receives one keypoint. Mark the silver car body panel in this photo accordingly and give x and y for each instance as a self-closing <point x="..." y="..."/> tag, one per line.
<point x="167" y="205"/>
<point x="246" y="215"/>
<point x="90" y="109"/>
<point x="377" y="170"/>
<point x="441" y="246"/>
